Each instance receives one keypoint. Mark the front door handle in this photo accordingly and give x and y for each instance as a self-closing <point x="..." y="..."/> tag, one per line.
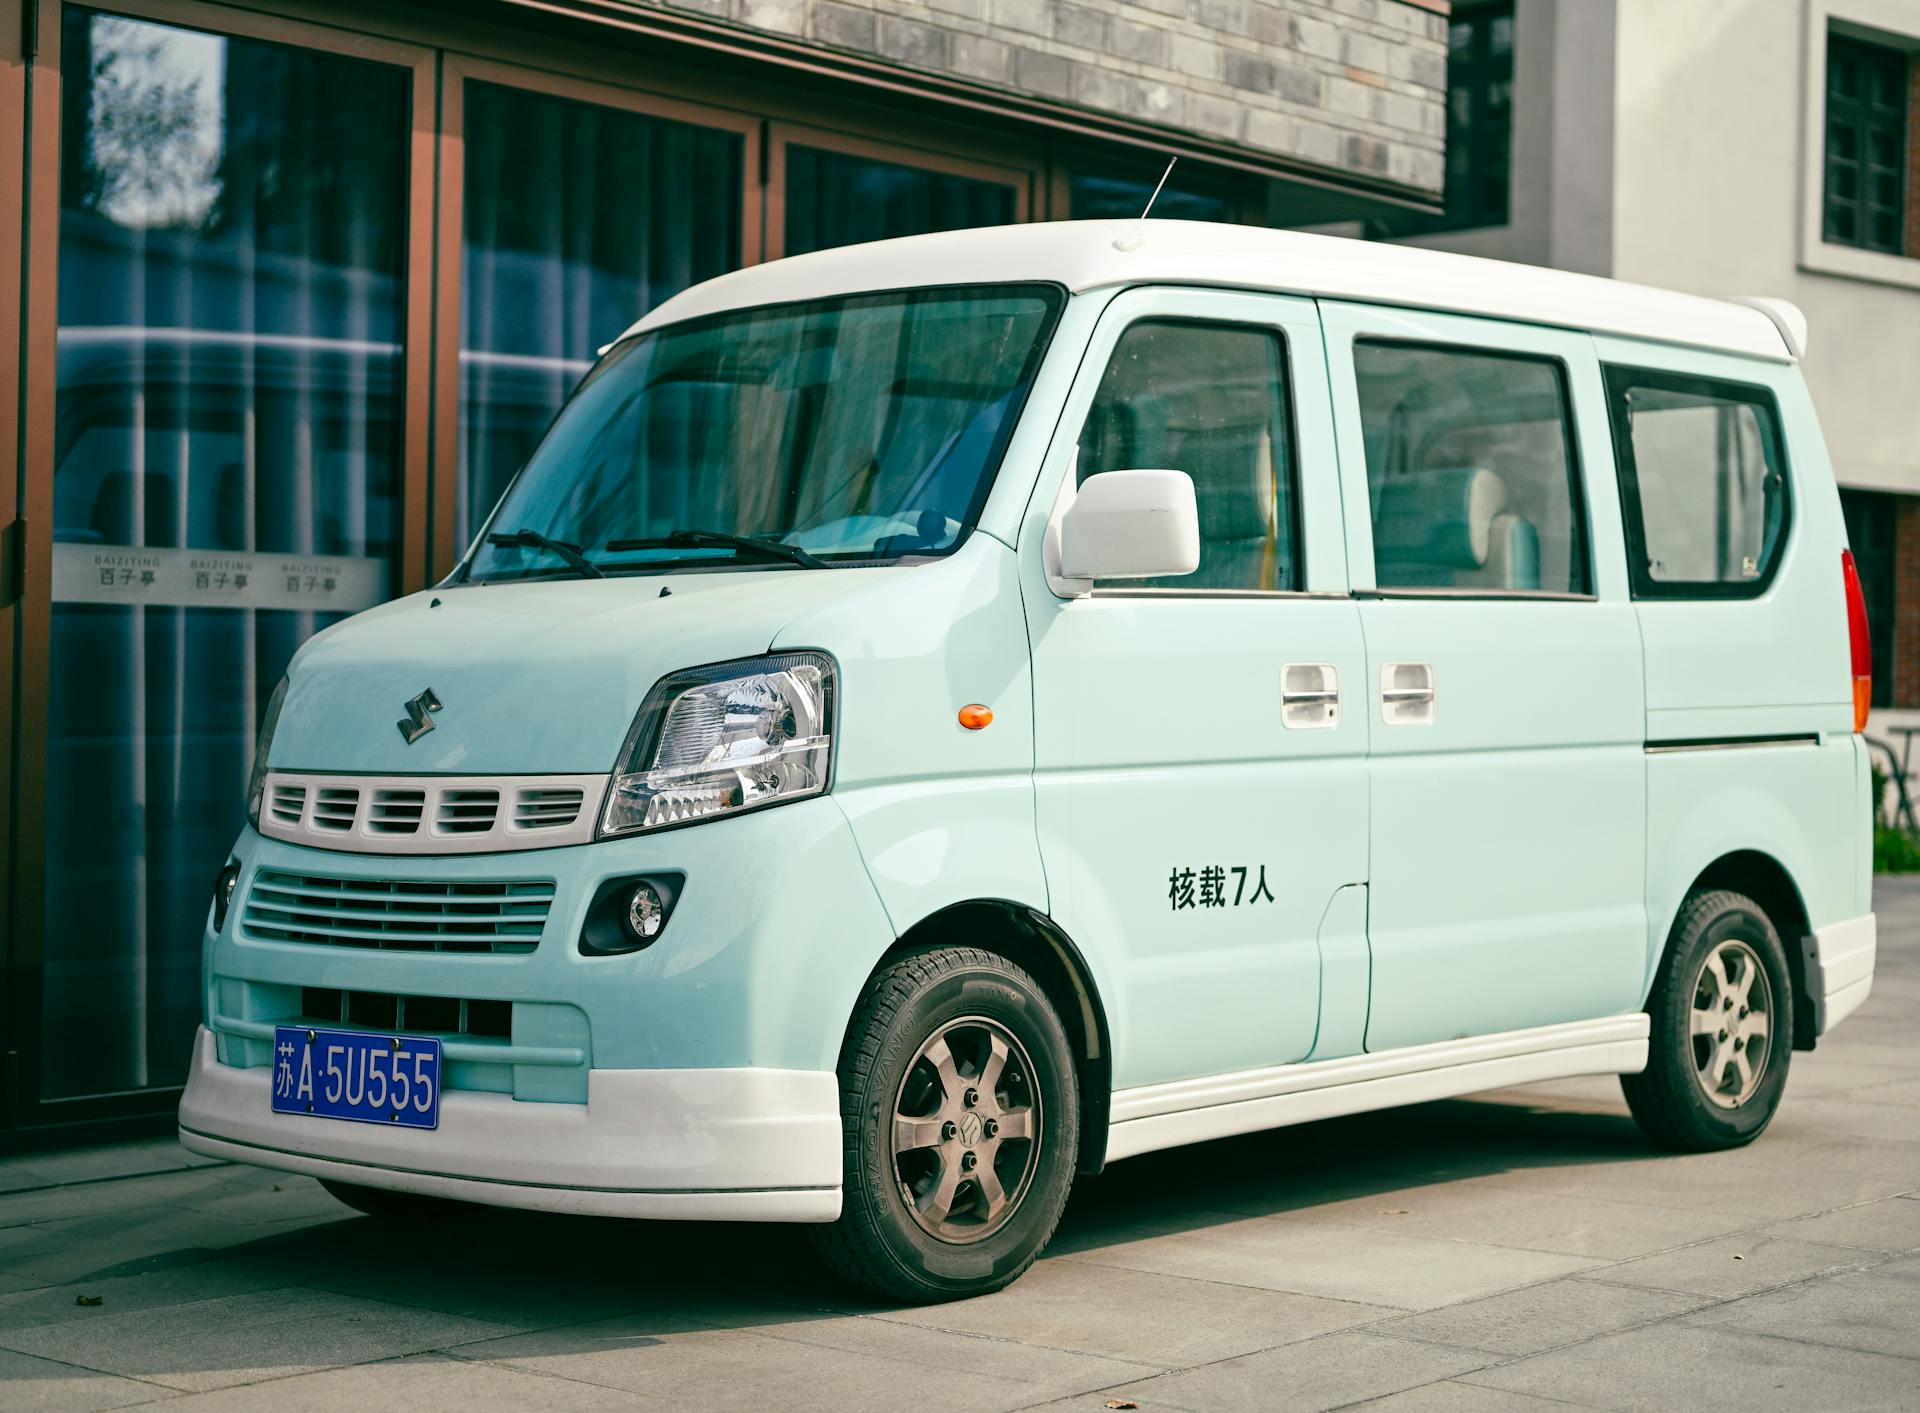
<point x="1406" y="693"/>
<point x="1309" y="696"/>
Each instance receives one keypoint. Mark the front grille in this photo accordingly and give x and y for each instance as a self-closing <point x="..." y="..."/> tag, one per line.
<point x="466" y="811"/>
<point x="408" y="915"/>
<point x="289" y="804"/>
<point x="396" y="811"/>
<point x="431" y="814"/>
<point x="546" y="809"/>
<point x="334" y="809"/>
<point x="432" y="1015"/>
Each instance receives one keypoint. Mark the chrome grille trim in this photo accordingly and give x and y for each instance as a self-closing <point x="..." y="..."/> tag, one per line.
<point x="431" y="814"/>
<point x="397" y="914"/>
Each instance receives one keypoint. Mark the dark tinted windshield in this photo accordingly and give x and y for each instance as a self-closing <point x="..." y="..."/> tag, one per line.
<point x="856" y="429"/>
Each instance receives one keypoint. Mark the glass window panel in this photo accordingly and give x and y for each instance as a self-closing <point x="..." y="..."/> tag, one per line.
<point x="1479" y="123"/>
<point x="835" y="198"/>
<point x="1209" y="400"/>
<point x="579" y="219"/>
<point x="857" y="429"/>
<point x="1094" y="197"/>
<point x="226" y="475"/>
<point x="1866" y="117"/>
<point x="1705" y="482"/>
<point x="1469" y="470"/>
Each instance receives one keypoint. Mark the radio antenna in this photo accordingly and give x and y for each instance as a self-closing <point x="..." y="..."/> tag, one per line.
<point x="1132" y="240"/>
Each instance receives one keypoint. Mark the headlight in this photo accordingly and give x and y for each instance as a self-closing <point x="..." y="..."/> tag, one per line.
<point x="257" y="784"/>
<point x="722" y="739"/>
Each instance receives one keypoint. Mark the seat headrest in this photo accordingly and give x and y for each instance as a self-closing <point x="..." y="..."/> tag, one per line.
<point x="1233" y="474"/>
<point x="1442" y="516"/>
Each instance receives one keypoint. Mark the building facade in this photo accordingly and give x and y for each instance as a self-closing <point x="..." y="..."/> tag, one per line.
<point x="301" y="284"/>
<point x="1725" y="147"/>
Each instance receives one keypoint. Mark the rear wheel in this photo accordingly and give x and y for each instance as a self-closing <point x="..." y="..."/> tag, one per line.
<point x="1722" y="1028"/>
<point x="960" y="1119"/>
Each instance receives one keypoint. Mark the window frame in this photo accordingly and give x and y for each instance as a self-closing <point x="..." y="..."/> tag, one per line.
<point x="1879" y="21"/>
<point x="1577" y="479"/>
<point x="457" y="71"/>
<point x="1289" y="414"/>
<point x="1865" y="121"/>
<point x="1618" y="378"/>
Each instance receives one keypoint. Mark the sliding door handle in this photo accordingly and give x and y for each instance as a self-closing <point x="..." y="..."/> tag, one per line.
<point x="1407" y="693"/>
<point x="1309" y="696"/>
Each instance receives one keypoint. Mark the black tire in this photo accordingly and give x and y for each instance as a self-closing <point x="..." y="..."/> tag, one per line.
<point x="385" y="1205"/>
<point x="970" y="997"/>
<point x="1671" y="1099"/>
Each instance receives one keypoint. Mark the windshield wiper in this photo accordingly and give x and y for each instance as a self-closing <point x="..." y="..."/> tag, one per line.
<point x="716" y="539"/>
<point x="532" y="539"/>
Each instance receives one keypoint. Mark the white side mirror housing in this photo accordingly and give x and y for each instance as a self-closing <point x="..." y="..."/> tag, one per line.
<point x="1130" y="525"/>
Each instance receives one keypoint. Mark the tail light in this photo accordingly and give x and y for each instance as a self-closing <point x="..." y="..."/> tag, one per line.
<point x="1858" y="642"/>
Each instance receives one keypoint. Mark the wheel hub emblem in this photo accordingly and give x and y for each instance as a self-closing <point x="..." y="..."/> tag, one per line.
<point x="970" y="1129"/>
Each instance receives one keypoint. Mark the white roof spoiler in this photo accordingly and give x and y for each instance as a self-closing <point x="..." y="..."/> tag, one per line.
<point x="1786" y="317"/>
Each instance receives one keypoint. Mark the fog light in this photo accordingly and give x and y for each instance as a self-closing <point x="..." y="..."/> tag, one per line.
<point x="223" y="885"/>
<point x="629" y="914"/>
<point x="646" y="913"/>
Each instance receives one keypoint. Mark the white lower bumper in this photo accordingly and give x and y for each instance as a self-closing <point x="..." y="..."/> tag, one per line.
<point x="1840" y="969"/>
<point x="719" y="1145"/>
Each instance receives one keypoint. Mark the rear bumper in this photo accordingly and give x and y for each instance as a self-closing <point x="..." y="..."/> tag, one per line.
<point x="685" y="1145"/>
<point x="1839" y="969"/>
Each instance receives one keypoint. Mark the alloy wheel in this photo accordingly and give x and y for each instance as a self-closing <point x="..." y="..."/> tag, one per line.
<point x="1731" y="1024"/>
<point x="966" y="1130"/>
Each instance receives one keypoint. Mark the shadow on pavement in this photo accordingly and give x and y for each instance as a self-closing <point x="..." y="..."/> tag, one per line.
<point x="202" y="1301"/>
<point x="540" y="1272"/>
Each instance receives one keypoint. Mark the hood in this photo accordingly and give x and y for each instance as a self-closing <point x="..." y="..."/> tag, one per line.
<point x="536" y="678"/>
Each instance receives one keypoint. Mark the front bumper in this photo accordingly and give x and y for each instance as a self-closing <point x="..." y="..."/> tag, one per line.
<point x="1839" y="969"/>
<point x="744" y="1144"/>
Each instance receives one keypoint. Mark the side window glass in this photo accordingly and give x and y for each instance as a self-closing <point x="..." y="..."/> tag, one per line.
<point x="1470" y="470"/>
<point x="1704" y="480"/>
<point x="1209" y="400"/>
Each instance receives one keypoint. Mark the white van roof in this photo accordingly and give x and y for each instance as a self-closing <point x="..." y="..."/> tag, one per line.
<point x="1085" y="255"/>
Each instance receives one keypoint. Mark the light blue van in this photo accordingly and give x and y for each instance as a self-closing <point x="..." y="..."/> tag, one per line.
<point x="937" y="717"/>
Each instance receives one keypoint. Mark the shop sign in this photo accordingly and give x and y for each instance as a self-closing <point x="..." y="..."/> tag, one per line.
<point x="139" y="576"/>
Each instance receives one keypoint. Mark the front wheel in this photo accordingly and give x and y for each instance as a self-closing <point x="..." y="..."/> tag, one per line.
<point x="961" y="1119"/>
<point x="1722" y="1028"/>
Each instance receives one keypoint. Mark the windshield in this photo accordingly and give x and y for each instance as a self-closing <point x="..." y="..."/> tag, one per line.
<point x="839" y="431"/>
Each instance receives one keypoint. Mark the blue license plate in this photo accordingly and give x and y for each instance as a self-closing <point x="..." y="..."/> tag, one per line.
<point x="355" y="1074"/>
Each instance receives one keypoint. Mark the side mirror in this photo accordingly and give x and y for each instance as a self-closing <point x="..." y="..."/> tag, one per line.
<point x="1131" y="525"/>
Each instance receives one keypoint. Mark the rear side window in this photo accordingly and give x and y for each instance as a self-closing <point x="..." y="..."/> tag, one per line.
<point x="1210" y="400"/>
<point x="1470" y="470"/>
<point x="1703" y="480"/>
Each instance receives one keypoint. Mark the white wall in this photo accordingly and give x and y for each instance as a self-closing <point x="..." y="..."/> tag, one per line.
<point x="1712" y="111"/>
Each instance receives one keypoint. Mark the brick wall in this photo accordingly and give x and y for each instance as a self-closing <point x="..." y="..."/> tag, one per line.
<point x="1906" y="600"/>
<point x="1912" y="246"/>
<point x="1354" y="85"/>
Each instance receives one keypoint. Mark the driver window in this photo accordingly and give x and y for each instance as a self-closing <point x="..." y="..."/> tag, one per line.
<point x="1209" y="400"/>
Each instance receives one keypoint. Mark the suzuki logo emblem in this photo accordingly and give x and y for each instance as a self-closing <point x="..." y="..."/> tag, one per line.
<point x="418" y="723"/>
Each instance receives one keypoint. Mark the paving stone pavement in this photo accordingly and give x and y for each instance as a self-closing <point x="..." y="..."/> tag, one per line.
<point x="1521" y="1249"/>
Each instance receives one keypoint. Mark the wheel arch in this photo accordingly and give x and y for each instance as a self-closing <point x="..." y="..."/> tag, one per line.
<point x="1036" y="943"/>
<point x="1763" y="878"/>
